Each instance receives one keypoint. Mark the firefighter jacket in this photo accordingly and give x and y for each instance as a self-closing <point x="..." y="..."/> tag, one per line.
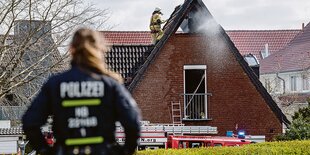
<point x="155" y="23"/>
<point x="85" y="107"/>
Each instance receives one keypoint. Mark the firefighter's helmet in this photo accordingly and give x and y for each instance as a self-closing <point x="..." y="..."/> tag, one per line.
<point x="157" y="9"/>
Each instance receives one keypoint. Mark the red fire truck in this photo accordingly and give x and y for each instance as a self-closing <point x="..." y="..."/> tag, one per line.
<point x="154" y="136"/>
<point x="204" y="141"/>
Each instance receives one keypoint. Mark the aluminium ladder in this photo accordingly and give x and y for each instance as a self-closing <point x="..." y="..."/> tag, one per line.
<point x="176" y="112"/>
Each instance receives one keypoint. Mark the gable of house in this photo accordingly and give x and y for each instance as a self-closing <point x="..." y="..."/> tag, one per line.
<point x="222" y="78"/>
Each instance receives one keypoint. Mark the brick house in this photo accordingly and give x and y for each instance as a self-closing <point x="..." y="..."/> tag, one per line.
<point x="200" y="70"/>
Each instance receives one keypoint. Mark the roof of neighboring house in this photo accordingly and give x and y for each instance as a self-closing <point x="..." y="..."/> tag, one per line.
<point x="254" y="41"/>
<point x="128" y="37"/>
<point x="174" y="22"/>
<point x="11" y="131"/>
<point x="127" y="59"/>
<point x="247" y="41"/>
<point x="294" y="57"/>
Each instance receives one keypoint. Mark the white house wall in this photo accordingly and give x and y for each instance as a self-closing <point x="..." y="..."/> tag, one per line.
<point x="274" y="89"/>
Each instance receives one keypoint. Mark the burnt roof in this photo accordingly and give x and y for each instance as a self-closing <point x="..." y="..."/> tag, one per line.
<point x="171" y="27"/>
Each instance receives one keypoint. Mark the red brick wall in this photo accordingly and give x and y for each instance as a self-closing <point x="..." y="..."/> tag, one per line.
<point x="234" y="98"/>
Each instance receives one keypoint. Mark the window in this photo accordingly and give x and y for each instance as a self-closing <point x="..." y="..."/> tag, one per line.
<point x="305" y="82"/>
<point x="218" y="145"/>
<point x="293" y="83"/>
<point x="195" y="92"/>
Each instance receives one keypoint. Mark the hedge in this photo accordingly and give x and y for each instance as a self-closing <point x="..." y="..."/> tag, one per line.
<point x="266" y="148"/>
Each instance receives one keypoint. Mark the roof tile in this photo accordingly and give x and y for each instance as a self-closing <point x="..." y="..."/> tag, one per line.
<point x="247" y="41"/>
<point x="294" y="57"/>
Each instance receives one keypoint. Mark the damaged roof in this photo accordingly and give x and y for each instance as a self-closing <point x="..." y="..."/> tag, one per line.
<point x="181" y="17"/>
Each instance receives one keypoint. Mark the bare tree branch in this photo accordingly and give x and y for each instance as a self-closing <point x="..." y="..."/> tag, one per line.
<point x="33" y="44"/>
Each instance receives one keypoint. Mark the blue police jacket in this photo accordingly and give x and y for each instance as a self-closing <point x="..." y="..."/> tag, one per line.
<point x="85" y="106"/>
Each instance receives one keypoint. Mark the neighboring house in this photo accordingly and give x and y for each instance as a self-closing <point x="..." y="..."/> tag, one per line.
<point x="199" y="71"/>
<point x="287" y="72"/>
<point x="9" y="137"/>
<point x="261" y="43"/>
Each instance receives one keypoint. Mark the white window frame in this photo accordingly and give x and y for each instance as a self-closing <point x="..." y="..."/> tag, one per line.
<point x="293" y="83"/>
<point x="196" y="67"/>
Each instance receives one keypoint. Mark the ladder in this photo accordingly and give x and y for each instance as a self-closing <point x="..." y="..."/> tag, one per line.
<point x="176" y="112"/>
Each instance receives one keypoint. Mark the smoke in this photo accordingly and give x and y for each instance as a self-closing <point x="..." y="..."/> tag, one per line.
<point x="216" y="45"/>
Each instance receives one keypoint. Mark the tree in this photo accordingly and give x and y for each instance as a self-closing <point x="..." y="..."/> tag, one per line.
<point x="300" y="127"/>
<point x="34" y="41"/>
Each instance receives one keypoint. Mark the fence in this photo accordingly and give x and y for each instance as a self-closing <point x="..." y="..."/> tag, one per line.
<point x="196" y="106"/>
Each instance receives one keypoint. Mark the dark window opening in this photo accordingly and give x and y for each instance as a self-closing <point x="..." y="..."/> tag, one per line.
<point x="195" y="94"/>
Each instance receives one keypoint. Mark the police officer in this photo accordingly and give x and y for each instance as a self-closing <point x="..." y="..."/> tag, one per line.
<point x="155" y="25"/>
<point x="85" y="102"/>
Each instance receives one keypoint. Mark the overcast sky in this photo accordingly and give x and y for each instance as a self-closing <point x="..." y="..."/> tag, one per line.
<point x="134" y="15"/>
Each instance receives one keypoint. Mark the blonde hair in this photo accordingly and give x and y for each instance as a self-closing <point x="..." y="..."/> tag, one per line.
<point x="88" y="51"/>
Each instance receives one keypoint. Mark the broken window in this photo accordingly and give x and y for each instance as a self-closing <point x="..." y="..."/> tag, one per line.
<point x="195" y="92"/>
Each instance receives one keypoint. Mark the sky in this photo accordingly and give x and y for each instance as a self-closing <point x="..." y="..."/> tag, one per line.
<point x="134" y="15"/>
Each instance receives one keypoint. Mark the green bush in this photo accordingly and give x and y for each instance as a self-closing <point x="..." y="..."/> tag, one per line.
<point x="267" y="148"/>
<point x="300" y="127"/>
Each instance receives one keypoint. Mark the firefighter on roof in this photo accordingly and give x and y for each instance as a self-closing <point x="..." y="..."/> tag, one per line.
<point x="85" y="102"/>
<point x="155" y="25"/>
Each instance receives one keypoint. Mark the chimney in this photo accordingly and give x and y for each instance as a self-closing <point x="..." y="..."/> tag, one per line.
<point x="302" y="26"/>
